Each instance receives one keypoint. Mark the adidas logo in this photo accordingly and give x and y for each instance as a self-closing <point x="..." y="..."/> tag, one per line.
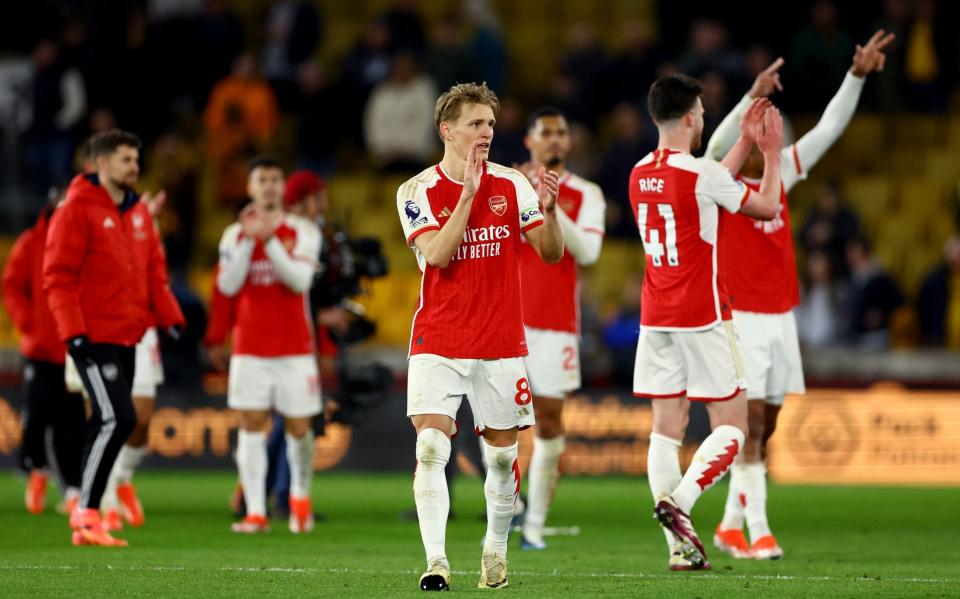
<point x="108" y="223"/>
<point x="446" y="212"/>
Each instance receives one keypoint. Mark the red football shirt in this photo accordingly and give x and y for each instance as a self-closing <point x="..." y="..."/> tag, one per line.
<point x="757" y="260"/>
<point x="271" y="319"/>
<point x="551" y="292"/>
<point x="676" y="199"/>
<point x="471" y="308"/>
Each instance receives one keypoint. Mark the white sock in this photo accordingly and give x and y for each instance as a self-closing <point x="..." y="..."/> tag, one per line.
<point x="252" y="464"/>
<point x="543" y="476"/>
<point x="430" y="492"/>
<point x="500" y="488"/>
<point x="663" y="471"/>
<point x="300" y="458"/>
<point x="108" y="501"/>
<point x="709" y="464"/>
<point x="733" y="510"/>
<point x="127" y="461"/>
<point x="754" y="489"/>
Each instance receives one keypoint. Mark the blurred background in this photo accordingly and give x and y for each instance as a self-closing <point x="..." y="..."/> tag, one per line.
<point x="332" y="86"/>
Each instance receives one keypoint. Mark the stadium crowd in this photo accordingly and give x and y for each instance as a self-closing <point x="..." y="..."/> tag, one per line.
<point x="276" y="77"/>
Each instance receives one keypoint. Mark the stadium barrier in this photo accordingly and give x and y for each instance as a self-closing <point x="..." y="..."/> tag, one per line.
<point x="886" y="435"/>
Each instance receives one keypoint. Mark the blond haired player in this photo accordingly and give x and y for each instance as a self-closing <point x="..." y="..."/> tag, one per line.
<point x="463" y="218"/>
<point x="267" y="262"/>
<point x="687" y="350"/>
<point x="551" y="309"/>
<point x="761" y="273"/>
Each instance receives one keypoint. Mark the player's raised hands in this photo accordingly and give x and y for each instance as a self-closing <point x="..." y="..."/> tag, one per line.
<point x="751" y="124"/>
<point x="870" y="57"/>
<point x="154" y="202"/>
<point x="250" y="222"/>
<point x="771" y="139"/>
<point x="472" y="171"/>
<point x="768" y="81"/>
<point x="548" y="188"/>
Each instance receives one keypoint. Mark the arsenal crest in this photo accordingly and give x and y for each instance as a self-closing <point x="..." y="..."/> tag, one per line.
<point x="498" y="204"/>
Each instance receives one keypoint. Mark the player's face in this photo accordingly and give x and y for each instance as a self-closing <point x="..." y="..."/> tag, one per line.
<point x="122" y="167"/>
<point x="475" y="123"/>
<point x="697" y="134"/>
<point x="549" y="141"/>
<point x="265" y="187"/>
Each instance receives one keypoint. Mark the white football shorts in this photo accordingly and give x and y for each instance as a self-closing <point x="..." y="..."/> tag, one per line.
<point x="771" y="355"/>
<point x="553" y="363"/>
<point x="497" y="390"/>
<point x="148" y="368"/>
<point x="288" y="384"/>
<point x="701" y="365"/>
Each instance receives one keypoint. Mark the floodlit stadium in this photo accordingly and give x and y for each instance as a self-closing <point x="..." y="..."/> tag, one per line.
<point x="571" y="298"/>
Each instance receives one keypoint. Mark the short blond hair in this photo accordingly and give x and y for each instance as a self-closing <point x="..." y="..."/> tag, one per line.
<point x="449" y="103"/>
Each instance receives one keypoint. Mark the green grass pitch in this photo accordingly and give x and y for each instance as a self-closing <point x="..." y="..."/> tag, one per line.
<point x="839" y="542"/>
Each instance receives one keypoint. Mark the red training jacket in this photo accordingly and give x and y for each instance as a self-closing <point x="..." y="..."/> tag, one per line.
<point x="104" y="272"/>
<point x="24" y="299"/>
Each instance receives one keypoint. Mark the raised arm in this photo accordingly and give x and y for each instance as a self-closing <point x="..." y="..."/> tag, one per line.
<point x="836" y="116"/>
<point x="439" y="246"/>
<point x="727" y="133"/>
<point x="235" y="253"/>
<point x="751" y="125"/>
<point x="547" y="240"/>
<point x="765" y="204"/>
<point x="296" y="269"/>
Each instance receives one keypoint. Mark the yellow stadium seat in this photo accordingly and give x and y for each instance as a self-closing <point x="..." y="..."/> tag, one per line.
<point x="943" y="165"/>
<point x="871" y="197"/>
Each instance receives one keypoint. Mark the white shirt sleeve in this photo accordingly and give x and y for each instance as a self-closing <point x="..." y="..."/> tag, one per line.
<point x="727" y="132"/>
<point x="235" y="253"/>
<point x="584" y="238"/>
<point x="416" y="217"/>
<point x="718" y="185"/>
<point x="296" y="268"/>
<point x="799" y="158"/>
<point x="527" y="202"/>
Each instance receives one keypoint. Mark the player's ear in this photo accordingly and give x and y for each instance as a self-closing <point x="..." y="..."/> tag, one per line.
<point x="526" y="142"/>
<point x="445" y="131"/>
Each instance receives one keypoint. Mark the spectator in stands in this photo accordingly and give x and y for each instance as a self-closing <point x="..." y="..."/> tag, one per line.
<point x="708" y="50"/>
<point x="819" y="57"/>
<point x="406" y="27"/>
<point x="587" y="66"/>
<point x="365" y="67"/>
<point x="820" y="320"/>
<point x="889" y="81"/>
<point x="930" y="58"/>
<point x="448" y="60"/>
<point x="240" y="118"/>
<point x="317" y="134"/>
<point x="220" y="42"/>
<point x="486" y="44"/>
<point x="510" y="132"/>
<point x="634" y="68"/>
<point x="398" y="122"/>
<point x="292" y="34"/>
<point x="939" y="301"/>
<point x="632" y="137"/>
<point x="715" y="99"/>
<point x="873" y="296"/>
<point x="58" y="102"/>
<point x="829" y="227"/>
<point x="621" y="333"/>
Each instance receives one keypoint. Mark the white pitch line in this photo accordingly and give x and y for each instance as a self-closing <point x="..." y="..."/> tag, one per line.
<point x="521" y="573"/>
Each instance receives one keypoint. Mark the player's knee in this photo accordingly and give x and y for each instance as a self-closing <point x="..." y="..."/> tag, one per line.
<point x="549" y="427"/>
<point x="124" y="421"/>
<point x="433" y="448"/>
<point x="500" y="459"/>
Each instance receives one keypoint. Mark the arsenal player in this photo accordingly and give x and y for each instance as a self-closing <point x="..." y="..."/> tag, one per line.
<point x="758" y="263"/>
<point x="464" y="218"/>
<point x="267" y="261"/>
<point x="551" y="309"/>
<point x="687" y="349"/>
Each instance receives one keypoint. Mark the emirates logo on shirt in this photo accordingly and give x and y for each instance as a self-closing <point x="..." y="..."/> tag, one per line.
<point x="498" y="204"/>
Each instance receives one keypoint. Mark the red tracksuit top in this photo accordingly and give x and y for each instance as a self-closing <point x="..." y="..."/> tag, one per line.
<point x="104" y="270"/>
<point x="24" y="299"/>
